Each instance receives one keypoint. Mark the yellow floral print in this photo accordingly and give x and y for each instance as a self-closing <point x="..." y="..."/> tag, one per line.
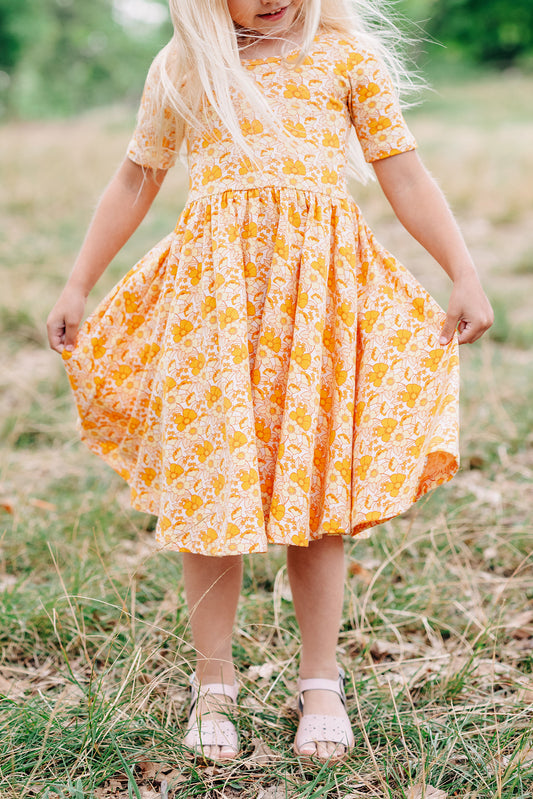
<point x="301" y="417"/>
<point x="173" y="472"/>
<point x="296" y="128"/>
<point x="99" y="348"/>
<point x="377" y="374"/>
<point x="301" y="92"/>
<point x="250" y="127"/>
<point x="369" y="320"/>
<point x="330" y="140"/>
<point x="411" y="394"/>
<point x="401" y="339"/>
<point x="386" y="428"/>
<point x="293" y="167"/>
<point x="180" y="330"/>
<point x="366" y="92"/>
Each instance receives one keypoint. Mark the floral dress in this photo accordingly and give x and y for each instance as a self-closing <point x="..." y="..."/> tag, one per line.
<point x="268" y="372"/>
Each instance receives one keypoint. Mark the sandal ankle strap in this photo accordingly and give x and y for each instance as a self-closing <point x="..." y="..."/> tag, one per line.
<point x="201" y="689"/>
<point x="313" y="684"/>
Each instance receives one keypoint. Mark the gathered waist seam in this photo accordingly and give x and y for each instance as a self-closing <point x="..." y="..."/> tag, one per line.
<point x="194" y="196"/>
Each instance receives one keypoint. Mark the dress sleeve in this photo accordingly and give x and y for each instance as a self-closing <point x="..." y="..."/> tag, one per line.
<point x="375" y="108"/>
<point x="143" y="146"/>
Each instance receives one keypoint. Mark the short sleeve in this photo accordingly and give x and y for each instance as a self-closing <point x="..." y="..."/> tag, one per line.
<point x="375" y="108"/>
<point x="143" y="145"/>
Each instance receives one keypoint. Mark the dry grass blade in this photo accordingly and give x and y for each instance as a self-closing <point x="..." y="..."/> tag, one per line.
<point x="261" y="754"/>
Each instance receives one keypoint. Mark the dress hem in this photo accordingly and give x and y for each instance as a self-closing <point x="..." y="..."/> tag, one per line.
<point x="360" y="530"/>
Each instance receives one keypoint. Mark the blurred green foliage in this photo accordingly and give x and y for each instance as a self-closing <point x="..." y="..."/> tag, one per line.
<point x="61" y="56"/>
<point x="494" y="32"/>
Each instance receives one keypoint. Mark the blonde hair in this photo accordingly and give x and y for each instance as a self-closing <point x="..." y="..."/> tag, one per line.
<point x="201" y="65"/>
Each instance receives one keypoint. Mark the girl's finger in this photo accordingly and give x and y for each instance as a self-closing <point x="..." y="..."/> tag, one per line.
<point x="470" y="332"/>
<point x="448" y="329"/>
<point x="56" y="344"/>
<point x="55" y="336"/>
<point x="71" y="329"/>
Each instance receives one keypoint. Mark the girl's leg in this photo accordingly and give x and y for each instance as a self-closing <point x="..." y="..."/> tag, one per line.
<point x="316" y="575"/>
<point x="212" y="588"/>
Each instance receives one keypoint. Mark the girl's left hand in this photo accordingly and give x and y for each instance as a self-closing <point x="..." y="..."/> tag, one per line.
<point x="469" y="311"/>
<point x="64" y="319"/>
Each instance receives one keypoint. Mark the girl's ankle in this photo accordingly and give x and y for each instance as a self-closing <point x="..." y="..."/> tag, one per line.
<point x="215" y="671"/>
<point x="320" y="670"/>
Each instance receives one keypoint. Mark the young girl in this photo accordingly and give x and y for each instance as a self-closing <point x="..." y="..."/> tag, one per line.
<point x="268" y="373"/>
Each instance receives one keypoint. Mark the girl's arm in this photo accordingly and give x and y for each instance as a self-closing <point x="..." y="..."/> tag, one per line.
<point x="421" y="208"/>
<point x="120" y="211"/>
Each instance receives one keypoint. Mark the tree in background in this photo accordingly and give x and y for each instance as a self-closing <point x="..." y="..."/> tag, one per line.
<point x="495" y="32"/>
<point x="60" y="56"/>
<point x="11" y="31"/>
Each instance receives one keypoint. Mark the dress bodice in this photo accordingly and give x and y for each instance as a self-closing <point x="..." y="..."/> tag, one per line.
<point x="338" y="85"/>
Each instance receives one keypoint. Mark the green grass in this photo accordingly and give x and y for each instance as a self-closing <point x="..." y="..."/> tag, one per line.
<point x="507" y="331"/>
<point x="437" y="636"/>
<point x="95" y="645"/>
<point x="466" y="98"/>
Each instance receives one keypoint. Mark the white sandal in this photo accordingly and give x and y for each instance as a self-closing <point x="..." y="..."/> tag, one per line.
<point x="315" y="727"/>
<point x="201" y="733"/>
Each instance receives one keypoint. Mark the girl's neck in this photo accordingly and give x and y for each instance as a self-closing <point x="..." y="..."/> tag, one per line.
<point x="252" y="45"/>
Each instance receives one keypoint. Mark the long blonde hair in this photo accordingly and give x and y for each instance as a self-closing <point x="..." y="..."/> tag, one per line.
<point x="201" y="65"/>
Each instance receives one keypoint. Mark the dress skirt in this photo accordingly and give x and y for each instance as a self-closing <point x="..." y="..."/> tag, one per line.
<point x="268" y="373"/>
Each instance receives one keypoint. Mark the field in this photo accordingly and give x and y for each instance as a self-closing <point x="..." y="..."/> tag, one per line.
<point x="438" y="626"/>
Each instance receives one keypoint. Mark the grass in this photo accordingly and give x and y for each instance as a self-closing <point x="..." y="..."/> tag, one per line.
<point x="437" y="636"/>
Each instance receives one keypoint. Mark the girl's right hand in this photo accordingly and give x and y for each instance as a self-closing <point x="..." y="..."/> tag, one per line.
<point x="118" y="214"/>
<point x="65" y="318"/>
